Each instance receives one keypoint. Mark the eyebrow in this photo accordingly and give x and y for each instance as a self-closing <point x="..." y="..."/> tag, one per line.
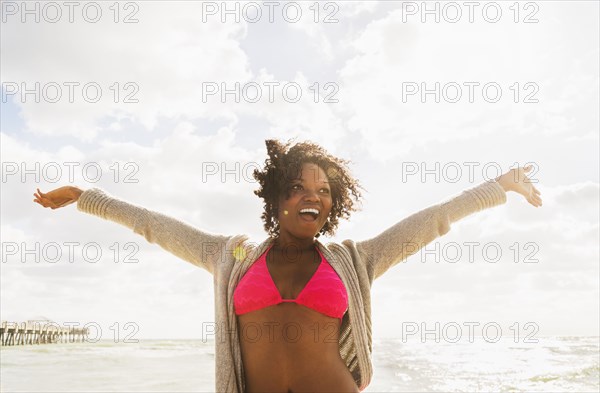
<point x="302" y="181"/>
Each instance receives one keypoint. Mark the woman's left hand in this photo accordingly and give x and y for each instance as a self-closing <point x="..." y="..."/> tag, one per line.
<point x="516" y="180"/>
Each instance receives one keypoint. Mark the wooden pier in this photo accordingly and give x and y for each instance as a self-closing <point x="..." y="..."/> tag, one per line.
<point x="39" y="332"/>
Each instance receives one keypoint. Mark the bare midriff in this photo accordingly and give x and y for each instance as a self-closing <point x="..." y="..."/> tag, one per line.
<point x="289" y="347"/>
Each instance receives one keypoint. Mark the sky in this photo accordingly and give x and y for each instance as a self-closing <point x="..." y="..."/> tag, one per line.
<point x="424" y="103"/>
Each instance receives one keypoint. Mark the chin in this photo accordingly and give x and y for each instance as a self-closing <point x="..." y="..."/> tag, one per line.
<point x="307" y="235"/>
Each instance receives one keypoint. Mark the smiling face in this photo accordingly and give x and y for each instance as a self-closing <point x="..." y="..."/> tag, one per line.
<point x="312" y="190"/>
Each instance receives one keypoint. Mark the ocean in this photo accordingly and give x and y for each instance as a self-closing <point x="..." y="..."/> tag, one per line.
<point x="554" y="364"/>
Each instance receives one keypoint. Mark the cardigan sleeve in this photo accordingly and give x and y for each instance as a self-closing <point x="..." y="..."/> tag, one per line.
<point x="191" y="244"/>
<point x="408" y="236"/>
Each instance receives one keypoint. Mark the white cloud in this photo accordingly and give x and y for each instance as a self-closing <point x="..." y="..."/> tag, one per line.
<point x="168" y="55"/>
<point x="391" y="53"/>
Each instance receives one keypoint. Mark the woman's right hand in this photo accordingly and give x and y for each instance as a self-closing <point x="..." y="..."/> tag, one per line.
<point x="60" y="197"/>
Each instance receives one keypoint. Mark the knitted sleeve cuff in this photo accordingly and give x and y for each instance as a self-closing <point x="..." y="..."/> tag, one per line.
<point x="488" y="194"/>
<point x="94" y="201"/>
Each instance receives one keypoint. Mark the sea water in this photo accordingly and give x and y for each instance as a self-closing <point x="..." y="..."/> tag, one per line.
<point x="553" y="364"/>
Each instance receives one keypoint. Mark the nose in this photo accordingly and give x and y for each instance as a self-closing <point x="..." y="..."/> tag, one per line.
<point x="312" y="195"/>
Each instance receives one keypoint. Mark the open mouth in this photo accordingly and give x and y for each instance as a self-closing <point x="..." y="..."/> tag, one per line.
<point x="309" y="215"/>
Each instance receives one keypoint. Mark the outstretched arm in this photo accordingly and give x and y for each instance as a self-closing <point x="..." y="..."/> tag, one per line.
<point x="416" y="231"/>
<point x="198" y="247"/>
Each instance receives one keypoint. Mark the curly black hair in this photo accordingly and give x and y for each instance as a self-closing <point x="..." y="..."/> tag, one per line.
<point x="285" y="164"/>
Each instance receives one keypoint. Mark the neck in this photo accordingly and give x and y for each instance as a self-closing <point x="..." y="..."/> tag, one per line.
<point x="291" y="244"/>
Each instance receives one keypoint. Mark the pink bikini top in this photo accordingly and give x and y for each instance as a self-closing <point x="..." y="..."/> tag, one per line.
<point x="325" y="292"/>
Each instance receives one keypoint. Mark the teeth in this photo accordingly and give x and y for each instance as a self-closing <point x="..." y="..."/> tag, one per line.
<point x="314" y="211"/>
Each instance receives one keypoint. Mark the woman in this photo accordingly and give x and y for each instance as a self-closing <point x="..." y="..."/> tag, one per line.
<point x="293" y="314"/>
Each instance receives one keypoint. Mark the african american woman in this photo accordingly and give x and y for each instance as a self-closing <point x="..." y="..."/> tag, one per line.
<point x="293" y="314"/>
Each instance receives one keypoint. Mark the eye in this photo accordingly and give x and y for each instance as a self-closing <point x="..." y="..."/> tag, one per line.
<point x="293" y="187"/>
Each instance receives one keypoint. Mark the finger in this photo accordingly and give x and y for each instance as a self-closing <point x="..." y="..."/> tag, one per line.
<point x="38" y="190"/>
<point x="42" y="204"/>
<point x="532" y="200"/>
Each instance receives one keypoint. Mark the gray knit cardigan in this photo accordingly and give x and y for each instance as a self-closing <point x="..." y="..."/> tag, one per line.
<point x="357" y="263"/>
